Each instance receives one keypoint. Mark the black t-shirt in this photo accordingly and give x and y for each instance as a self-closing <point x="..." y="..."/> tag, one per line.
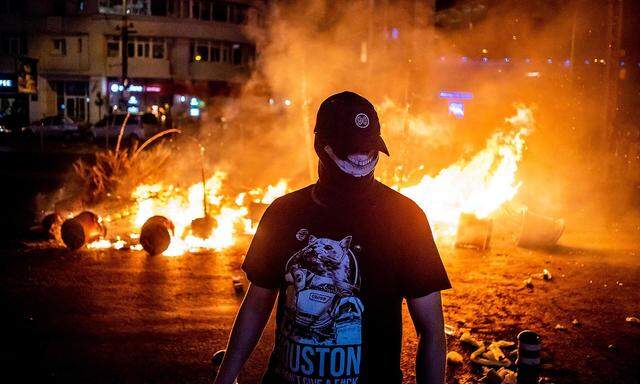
<point x="342" y="273"/>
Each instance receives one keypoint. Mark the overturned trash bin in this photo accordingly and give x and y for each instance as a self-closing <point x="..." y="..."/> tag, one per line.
<point x="473" y="232"/>
<point x="155" y="235"/>
<point x="539" y="231"/>
<point x="82" y="229"/>
<point x="202" y="227"/>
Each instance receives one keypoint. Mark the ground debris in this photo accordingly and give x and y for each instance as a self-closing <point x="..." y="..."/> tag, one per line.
<point x="632" y="319"/>
<point x="545" y="275"/>
<point x="449" y="330"/>
<point x="560" y="327"/>
<point x="238" y="287"/>
<point x="501" y="376"/>
<point x="468" y="339"/>
<point x="454" y="357"/>
<point x="528" y="282"/>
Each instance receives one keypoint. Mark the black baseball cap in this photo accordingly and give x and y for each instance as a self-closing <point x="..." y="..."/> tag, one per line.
<point x="349" y="122"/>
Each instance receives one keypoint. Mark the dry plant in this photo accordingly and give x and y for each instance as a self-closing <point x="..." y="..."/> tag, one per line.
<point x="109" y="169"/>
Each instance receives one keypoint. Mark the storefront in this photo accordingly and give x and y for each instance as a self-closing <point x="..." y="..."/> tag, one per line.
<point x="18" y="83"/>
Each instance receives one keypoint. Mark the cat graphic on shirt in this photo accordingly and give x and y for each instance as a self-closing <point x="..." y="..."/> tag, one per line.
<point x="321" y="290"/>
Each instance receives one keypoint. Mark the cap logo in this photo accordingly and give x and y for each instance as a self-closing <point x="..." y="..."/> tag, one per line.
<point x="362" y="120"/>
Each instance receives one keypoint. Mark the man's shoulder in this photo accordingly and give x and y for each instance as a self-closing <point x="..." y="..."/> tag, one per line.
<point x="301" y="195"/>
<point x="395" y="200"/>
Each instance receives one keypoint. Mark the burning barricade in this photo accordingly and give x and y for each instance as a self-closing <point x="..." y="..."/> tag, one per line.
<point x="170" y="219"/>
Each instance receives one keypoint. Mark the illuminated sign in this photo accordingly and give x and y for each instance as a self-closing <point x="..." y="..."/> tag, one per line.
<point x="133" y="88"/>
<point x="456" y="95"/>
<point x="153" y="88"/>
<point x="6" y="83"/>
<point x="194" y="112"/>
<point x="456" y="109"/>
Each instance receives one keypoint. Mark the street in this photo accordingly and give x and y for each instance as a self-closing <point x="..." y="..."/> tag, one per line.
<point x="121" y="316"/>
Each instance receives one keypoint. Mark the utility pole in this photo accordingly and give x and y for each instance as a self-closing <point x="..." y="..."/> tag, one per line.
<point x="125" y="29"/>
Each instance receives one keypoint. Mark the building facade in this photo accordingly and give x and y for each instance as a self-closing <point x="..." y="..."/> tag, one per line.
<point x="66" y="57"/>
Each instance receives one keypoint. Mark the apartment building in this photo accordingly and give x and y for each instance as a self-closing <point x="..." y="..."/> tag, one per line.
<point x="66" y="57"/>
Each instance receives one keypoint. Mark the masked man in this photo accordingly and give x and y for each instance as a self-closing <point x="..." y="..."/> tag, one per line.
<point x="340" y="256"/>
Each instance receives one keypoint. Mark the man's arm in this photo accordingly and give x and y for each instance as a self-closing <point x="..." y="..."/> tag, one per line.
<point x="426" y="313"/>
<point x="247" y="329"/>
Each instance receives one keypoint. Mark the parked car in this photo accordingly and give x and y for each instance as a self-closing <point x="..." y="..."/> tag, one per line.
<point x="138" y="128"/>
<point x="54" y="126"/>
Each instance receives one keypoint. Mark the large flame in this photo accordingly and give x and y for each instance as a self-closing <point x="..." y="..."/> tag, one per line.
<point x="478" y="186"/>
<point x="229" y="215"/>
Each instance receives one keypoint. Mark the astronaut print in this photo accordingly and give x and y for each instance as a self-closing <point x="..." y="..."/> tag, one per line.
<point x="319" y="338"/>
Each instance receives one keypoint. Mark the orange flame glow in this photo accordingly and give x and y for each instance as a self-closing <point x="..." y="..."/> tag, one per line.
<point x="478" y="186"/>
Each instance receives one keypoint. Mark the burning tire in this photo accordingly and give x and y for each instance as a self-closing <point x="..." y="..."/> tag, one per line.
<point x="82" y="229"/>
<point x="155" y="235"/>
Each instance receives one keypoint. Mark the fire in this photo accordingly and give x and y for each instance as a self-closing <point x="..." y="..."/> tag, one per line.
<point x="478" y="186"/>
<point x="182" y="207"/>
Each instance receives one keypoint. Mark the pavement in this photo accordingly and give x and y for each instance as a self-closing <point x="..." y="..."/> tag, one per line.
<point x="122" y="316"/>
<point x="115" y="316"/>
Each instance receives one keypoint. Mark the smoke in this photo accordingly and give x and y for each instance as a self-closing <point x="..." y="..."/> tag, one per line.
<point x="400" y="55"/>
<point x="392" y="53"/>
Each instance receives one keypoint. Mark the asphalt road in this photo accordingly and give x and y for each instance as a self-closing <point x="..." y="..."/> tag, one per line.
<point x="112" y="316"/>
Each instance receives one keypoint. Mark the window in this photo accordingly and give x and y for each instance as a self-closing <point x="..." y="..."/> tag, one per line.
<point x="202" y="51"/>
<point x="221" y="11"/>
<point x="12" y="45"/>
<point x="113" y="47"/>
<point x="138" y="47"/>
<point x="158" y="49"/>
<point x="79" y="44"/>
<point x="60" y="47"/>
<point x="236" y="56"/>
<point x="222" y="52"/>
<point x="72" y="98"/>
<point x="134" y="7"/>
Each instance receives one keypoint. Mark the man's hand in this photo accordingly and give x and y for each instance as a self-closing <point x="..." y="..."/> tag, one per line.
<point x="426" y="313"/>
<point x="247" y="329"/>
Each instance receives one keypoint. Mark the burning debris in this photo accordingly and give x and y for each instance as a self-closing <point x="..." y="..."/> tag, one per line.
<point x="213" y="215"/>
<point x="476" y="187"/>
<point x="82" y="229"/>
<point x="539" y="231"/>
<point x="155" y="235"/>
<point x="473" y="232"/>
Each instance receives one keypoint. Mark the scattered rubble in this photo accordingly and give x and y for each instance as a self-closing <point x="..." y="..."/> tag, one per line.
<point x="238" y="287"/>
<point x="472" y="341"/>
<point x="528" y="283"/>
<point x="449" y="330"/>
<point x="454" y="357"/>
<point x="501" y="376"/>
<point x="632" y="319"/>
<point x="81" y="230"/>
<point x="560" y="327"/>
<point x="492" y="356"/>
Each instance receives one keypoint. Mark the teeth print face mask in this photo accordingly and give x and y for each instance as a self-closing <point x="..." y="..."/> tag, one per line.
<point x="356" y="164"/>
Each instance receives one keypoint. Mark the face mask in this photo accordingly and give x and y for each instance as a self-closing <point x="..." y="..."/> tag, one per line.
<point x="356" y="164"/>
